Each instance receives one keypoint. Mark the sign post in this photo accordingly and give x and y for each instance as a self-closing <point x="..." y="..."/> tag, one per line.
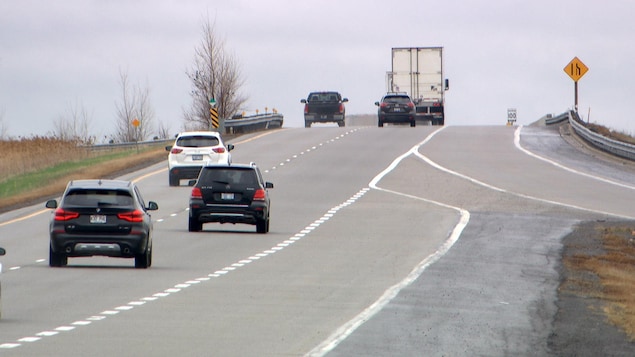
<point x="576" y="69"/>
<point x="136" y="122"/>
<point x="213" y="113"/>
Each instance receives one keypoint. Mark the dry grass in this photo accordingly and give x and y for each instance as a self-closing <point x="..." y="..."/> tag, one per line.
<point x="29" y="155"/>
<point x="613" y="276"/>
<point x="37" y="154"/>
<point x="606" y="132"/>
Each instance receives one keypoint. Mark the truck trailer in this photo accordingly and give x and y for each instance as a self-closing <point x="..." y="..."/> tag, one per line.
<point x="418" y="71"/>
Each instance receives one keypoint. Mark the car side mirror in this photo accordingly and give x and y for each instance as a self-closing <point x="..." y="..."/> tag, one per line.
<point x="303" y="101"/>
<point x="344" y="100"/>
<point x="268" y="185"/>
<point x="2" y="251"/>
<point x="377" y="103"/>
<point x="191" y="182"/>
<point x="230" y="147"/>
<point x="168" y="148"/>
<point x="152" y="206"/>
<point x="51" y="204"/>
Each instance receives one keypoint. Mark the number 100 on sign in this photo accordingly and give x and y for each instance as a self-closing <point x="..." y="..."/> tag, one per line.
<point x="511" y="115"/>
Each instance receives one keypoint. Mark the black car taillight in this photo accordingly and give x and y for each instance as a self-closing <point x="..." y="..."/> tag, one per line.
<point x="62" y="215"/>
<point x="259" y="195"/>
<point x="196" y="193"/>
<point x="132" y="216"/>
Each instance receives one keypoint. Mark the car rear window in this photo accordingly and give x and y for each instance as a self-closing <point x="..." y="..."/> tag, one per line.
<point x="197" y="141"/>
<point x="97" y="198"/>
<point x="397" y="99"/>
<point x="324" y="97"/>
<point x="230" y="176"/>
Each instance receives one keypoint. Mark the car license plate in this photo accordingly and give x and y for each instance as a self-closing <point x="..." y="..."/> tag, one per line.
<point x="322" y="116"/>
<point x="226" y="196"/>
<point x="197" y="157"/>
<point x="97" y="218"/>
<point x="397" y="109"/>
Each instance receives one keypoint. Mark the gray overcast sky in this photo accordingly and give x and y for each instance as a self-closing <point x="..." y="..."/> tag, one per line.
<point x="498" y="54"/>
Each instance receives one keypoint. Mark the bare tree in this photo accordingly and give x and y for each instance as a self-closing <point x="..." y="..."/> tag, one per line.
<point x="134" y="108"/>
<point x="74" y="125"/>
<point x="4" y="129"/>
<point x="214" y="75"/>
<point x="163" y="131"/>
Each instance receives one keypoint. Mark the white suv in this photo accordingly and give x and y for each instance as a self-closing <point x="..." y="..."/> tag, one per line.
<point x="192" y="150"/>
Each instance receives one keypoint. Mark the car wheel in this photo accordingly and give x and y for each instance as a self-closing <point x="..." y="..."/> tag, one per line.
<point x="174" y="180"/>
<point x="143" y="261"/>
<point x="262" y="225"/>
<point x="413" y="123"/>
<point x="341" y="123"/>
<point x="57" y="259"/>
<point x="194" y="225"/>
<point x="380" y="124"/>
<point x="307" y="124"/>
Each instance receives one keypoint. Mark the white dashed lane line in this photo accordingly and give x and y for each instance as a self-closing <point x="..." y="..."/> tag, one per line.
<point x="189" y="283"/>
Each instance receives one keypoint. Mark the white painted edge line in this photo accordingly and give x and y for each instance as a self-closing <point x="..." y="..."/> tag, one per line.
<point x="348" y="328"/>
<point x="556" y="164"/>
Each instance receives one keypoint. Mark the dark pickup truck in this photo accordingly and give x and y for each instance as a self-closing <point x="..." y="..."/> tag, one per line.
<point x="324" y="107"/>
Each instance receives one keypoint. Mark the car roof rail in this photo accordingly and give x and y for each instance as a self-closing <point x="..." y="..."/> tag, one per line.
<point x="252" y="164"/>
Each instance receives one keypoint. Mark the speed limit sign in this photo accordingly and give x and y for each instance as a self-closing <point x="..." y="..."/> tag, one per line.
<point x="511" y="116"/>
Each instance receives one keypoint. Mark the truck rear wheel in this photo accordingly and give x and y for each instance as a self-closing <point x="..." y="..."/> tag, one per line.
<point x="341" y="123"/>
<point x="307" y="124"/>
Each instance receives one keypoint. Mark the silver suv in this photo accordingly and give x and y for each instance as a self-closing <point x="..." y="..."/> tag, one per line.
<point x="192" y="150"/>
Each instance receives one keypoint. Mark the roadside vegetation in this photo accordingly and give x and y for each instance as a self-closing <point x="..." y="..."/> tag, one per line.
<point x="37" y="168"/>
<point x="615" y="135"/>
<point x="603" y="268"/>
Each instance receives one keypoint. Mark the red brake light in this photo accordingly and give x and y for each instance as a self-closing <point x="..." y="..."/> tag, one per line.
<point x="176" y="151"/>
<point x="341" y="108"/>
<point x="196" y="193"/>
<point x="383" y="105"/>
<point x="219" y="150"/>
<point x="259" y="195"/>
<point x="133" y="216"/>
<point x="62" y="215"/>
<point x="306" y="108"/>
<point x="411" y="105"/>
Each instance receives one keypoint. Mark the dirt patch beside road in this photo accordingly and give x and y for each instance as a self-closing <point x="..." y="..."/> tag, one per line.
<point x="596" y="297"/>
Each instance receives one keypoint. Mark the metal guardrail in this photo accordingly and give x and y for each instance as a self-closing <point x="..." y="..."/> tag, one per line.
<point x="240" y="125"/>
<point x="550" y="119"/>
<point x="253" y="123"/>
<point x="615" y="147"/>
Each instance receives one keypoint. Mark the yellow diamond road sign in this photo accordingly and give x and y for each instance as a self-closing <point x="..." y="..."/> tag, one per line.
<point x="576" y="69"/>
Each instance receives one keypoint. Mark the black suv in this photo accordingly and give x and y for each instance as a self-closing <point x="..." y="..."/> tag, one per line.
<point x="101" y="217"/>
<point x="395" y="107"/>
<point x="324" y="107"/>
<point x="230" y="194"/>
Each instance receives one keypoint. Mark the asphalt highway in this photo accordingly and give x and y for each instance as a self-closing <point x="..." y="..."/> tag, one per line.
<point x="391" y="241"/>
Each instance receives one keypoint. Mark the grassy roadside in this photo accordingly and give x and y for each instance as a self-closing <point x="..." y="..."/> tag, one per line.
<point x="33" y="187"/>
<point x="600" y="264"/>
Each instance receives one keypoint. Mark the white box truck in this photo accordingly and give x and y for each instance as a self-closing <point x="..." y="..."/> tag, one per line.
<point x="418" y="71"/>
